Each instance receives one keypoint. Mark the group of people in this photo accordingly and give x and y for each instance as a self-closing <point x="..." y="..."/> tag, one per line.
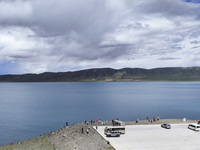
<point x="149" y="119"/>
<point x="154" y="119"/>
<point x="87" y="130"/>
<point x="92" y="121"/>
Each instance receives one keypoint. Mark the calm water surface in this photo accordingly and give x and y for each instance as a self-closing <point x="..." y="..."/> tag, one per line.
<point x="28" y="110"/>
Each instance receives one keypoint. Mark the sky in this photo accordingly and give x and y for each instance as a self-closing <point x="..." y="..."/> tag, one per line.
<point x="63" y="35"/>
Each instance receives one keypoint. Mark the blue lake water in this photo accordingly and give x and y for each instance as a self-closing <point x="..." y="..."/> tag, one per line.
<point x="28" y="110"/>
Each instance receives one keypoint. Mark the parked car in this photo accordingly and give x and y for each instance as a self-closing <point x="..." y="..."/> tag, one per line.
<point x="167" y="126"/>
<point x="113" y="134"/>
<point x="194" y="126"/>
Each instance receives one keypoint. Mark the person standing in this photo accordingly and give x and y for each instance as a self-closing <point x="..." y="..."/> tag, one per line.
<point x="82" y="130"/>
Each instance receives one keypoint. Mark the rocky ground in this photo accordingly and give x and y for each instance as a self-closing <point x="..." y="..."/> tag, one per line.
<point x="75" y="137"/>
<point x="78" y="137"/>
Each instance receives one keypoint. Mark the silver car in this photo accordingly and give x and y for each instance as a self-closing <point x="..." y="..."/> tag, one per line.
<point x="167" y="126"/>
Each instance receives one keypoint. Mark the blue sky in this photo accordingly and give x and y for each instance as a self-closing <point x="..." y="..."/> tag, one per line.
<point x="49" y="35"/>
<point x="192" y="1"/>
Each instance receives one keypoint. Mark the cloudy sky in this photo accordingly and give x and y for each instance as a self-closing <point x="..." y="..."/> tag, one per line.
<point x="63" y="35"/>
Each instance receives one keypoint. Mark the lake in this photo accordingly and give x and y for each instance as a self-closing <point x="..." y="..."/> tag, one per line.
<point x="29" y="110"/>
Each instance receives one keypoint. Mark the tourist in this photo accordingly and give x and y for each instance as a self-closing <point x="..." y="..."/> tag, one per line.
<point x="82" y="130"/>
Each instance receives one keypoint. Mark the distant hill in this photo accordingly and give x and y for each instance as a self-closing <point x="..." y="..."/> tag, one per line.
<point x="108" y="74"/>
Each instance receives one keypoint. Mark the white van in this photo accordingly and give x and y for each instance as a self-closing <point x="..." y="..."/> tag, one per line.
<point x="194" y="126"/>
<point x="113" y="134"/>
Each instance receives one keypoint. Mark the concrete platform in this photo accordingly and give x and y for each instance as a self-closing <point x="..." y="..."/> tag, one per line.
<point x="153" y="137"/>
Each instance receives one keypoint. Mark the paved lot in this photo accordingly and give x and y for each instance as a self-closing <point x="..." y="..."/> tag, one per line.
<point x="153" y="137"/>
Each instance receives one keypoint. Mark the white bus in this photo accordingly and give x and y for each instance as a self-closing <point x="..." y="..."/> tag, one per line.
<point x="121" y="129"/>
<point x="194" y="126"/>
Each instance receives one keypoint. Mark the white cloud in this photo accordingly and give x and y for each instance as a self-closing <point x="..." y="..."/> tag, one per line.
<point x="50" y="35"/>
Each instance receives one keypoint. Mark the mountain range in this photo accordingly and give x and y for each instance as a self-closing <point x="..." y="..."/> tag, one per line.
<point x="109" y="74"/>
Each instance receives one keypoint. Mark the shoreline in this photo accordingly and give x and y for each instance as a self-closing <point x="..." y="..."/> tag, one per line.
<point x="76" y="137"/>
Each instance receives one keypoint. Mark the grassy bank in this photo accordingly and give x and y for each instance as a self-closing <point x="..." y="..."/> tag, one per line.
<point x="39" y="143"/>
